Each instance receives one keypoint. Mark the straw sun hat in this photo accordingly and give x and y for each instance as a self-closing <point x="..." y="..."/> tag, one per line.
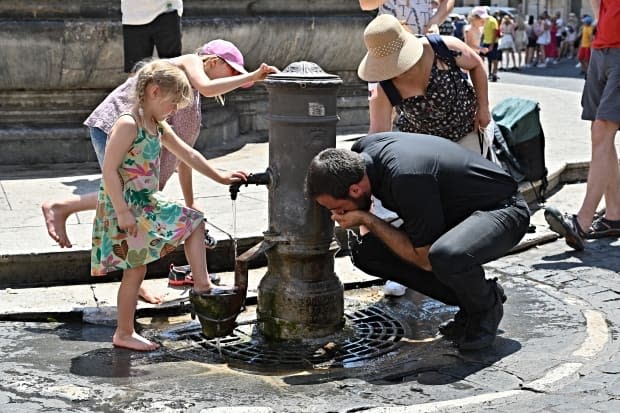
<point x="392" y="50"/>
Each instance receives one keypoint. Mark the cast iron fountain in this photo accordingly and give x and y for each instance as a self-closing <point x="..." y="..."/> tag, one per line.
<point x="300" y="298"/>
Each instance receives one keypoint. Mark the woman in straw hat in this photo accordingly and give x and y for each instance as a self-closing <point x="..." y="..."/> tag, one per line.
<point x="430" y="91"/>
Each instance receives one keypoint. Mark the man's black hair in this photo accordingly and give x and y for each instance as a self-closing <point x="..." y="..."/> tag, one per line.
<point x="333" y="171"/>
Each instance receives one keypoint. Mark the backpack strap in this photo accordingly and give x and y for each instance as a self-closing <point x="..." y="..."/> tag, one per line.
<point x="440" y="49"/>
<point x="392" y="93"/>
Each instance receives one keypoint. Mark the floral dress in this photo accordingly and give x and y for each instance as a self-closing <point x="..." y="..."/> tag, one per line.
<point x="162" y="224"/>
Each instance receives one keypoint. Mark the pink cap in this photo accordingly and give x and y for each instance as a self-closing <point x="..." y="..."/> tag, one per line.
<point x="480" y="11"/>
<point x="228" y="52"/>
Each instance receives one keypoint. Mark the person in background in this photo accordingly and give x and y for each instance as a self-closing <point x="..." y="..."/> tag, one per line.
<point x="459" y="27"/>
<point x="148" y="24"/>
<point x="601" y="106"/>
<point x="473" y="31"/>
<point x="418" y="16"/>
<point x="532" y="46"/>
<point x="520" y="40"/>
<point x="506" y="42"/>
<point x="490" y="39"/>
<point x="551" y="50"/>
<point x="583" y="54"/>
<point x="542" y="40"/>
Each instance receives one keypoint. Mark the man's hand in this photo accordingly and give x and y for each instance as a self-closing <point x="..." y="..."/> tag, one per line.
<point x="350" y="219"/>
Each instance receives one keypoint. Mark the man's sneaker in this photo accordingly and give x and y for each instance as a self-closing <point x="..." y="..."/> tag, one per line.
<point x="455" y="329"/>
<point x="482" y="327"/>
<point x="567" y="226"/>
<point x="394" y="289"/>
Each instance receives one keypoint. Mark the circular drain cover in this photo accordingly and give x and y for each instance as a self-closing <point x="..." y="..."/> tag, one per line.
<point x="372" y="333"/>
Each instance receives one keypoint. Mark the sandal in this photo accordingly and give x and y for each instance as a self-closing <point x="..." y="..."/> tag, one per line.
<point x="603" y="227"/>
<point x="181" y="275"/>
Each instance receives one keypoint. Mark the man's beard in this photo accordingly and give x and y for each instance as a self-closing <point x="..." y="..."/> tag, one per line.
<point x="363" y="203"/>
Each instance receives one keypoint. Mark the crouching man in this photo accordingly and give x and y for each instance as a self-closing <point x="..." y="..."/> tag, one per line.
<point x="459" y="211"/>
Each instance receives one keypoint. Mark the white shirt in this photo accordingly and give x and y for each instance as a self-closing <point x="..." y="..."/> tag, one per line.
<point x="415" y="13"/>
<point x="138" y="12"/>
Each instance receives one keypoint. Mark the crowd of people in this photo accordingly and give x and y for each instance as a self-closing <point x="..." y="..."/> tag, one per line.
<point x="516" y="42"/>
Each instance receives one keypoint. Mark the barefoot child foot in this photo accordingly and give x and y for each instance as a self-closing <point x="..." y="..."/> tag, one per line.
<point x="146" y="295"/>
<point x="133" y="341"/>
<point x="55" y="219"/>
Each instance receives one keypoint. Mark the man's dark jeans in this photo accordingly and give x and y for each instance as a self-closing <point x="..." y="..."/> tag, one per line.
<point x="456" y="257"/>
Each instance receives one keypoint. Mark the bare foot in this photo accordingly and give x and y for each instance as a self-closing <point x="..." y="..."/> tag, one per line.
<point x="146" y="295"/>
<point x="55" y="220"/>
<point x="133" y="342"/>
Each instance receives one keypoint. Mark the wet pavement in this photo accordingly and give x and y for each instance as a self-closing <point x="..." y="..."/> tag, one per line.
<point x="557" y="350"/>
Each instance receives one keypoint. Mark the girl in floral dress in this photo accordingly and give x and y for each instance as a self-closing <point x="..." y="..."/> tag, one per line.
<point x="134" y="224"/>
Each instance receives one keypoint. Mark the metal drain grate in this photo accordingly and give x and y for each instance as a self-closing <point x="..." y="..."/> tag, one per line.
<point x="373" y="333"/>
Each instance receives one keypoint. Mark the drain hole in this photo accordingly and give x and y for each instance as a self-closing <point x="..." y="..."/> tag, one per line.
<point x="373" y="333"/>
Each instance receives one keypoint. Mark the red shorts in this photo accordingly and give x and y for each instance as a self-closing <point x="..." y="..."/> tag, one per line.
<point x="583" y="54"/>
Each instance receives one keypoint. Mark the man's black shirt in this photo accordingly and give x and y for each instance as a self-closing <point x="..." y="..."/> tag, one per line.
<point x="430" y="182"/>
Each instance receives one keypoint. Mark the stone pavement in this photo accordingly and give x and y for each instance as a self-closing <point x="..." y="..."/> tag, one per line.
<point x="558" y="350"/>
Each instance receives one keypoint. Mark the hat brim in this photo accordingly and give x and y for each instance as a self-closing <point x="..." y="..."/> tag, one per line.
<point x="241" y="70"/>
<point x="376" y="69"/>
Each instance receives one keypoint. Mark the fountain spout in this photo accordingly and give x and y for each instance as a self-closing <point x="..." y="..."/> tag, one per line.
<point x="260" y="178"/>
<point x="217" y="311"/>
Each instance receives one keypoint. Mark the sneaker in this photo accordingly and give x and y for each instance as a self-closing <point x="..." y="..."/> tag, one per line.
<point x="455" y="329"/>
<point x="482" y="327"/>
<point x="567" y="226"/>
<point x="394" y="289"/>
<point x="542" y="65"/>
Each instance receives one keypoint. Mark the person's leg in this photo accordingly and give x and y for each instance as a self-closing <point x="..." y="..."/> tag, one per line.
<point x="458" y="255"/>
<point x="457" y="258"/>
<point x="166" y="32"/>
<point x="137" y="45"/>
<point x="56" y="213"/>
<point x="601" y="104"/>
<point x="372" y="256"/>
<point x="125" y="335"/>
<point x="197" y="259"/>
<point x="603" y="176"/>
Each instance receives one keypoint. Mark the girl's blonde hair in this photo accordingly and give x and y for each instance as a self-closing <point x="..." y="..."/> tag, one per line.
<point x="170" y="79"/>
